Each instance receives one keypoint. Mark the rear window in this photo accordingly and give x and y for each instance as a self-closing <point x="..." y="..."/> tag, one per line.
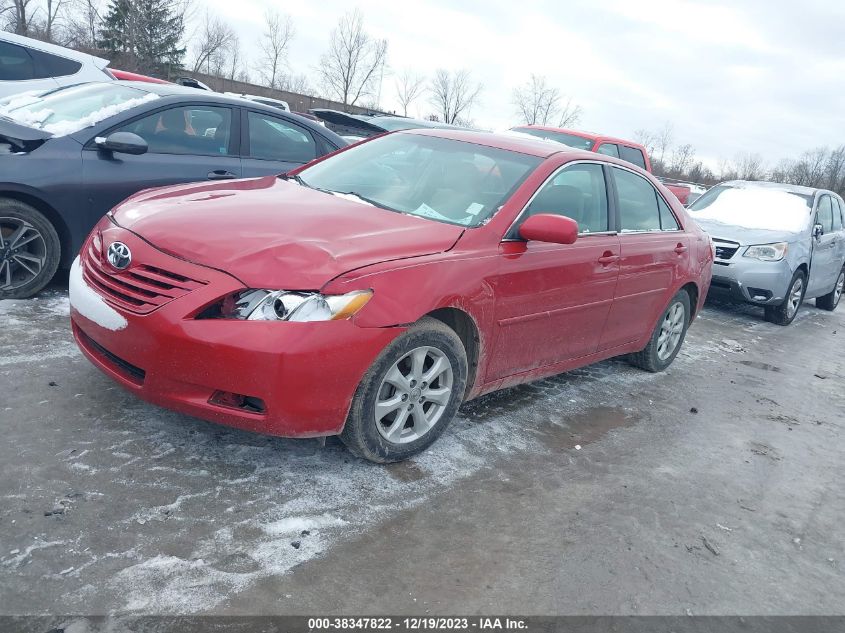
<point x="632" y="155"/>
<point x="15" y="63"/>
<point x="573" y="140"/>
<point x="48" y="65"/>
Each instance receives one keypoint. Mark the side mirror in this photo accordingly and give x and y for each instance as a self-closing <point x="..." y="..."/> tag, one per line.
<point x="123" y="142"/>
<point x="818" y="231"/>
<point x="548" y="227"/>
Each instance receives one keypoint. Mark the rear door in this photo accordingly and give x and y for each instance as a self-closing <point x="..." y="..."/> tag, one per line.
<point x="552" y="299"/>
<point x="186" y="144"/>
<point x="654" y="252"/>
<point x="274" y="144"/>
<point x="825" y="265"/>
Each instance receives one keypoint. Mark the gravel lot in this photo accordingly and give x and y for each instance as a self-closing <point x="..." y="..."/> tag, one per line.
<point x="714" y="488"/>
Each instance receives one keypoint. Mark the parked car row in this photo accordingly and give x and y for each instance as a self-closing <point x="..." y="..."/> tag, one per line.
<point x="249" y="267"/>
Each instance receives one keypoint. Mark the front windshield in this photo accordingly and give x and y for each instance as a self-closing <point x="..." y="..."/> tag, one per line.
<point x="572" y="140"/>
<point x="753" y="208"/>
<point x="66" y="111"/>
<point x="436" y="178"/>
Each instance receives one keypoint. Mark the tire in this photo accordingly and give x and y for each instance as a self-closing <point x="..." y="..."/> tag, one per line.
<point x="395" y="436"/>
<point x="785" y="313"/>
<point x="660" y="351"/>
<point x="29" y="250"/>
<point x="831" y="299"/>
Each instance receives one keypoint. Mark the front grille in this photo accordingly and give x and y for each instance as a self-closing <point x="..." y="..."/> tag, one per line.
<point x="135" y="374"/>
<point x="140" y="288"/>
<point x="725" y="249"/>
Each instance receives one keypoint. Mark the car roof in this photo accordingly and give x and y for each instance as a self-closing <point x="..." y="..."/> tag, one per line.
<point x="534" y="147"/>
<point x="55" y="49"/>
<point x="779" y="186"/>
<point x="593" y="136"/>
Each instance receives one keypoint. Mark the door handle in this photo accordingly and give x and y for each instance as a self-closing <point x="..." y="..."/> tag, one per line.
<point x="608" y="258"/>
<point x="680" y="249"/>
<point x="221" y="174"/>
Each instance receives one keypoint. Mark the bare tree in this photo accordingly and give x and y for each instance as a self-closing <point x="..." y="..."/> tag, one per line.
<point x="235" y="58"/>
<point x="540" y="104"/>
<point x="83" y="23"/>
<point x="215" y="37"/>
<point x="570" y="114"/>
<point x="749" y="166"/>
<point x="20" y="16"/>
<point x="350" y="67"/>
<point x="409" y="87"/>
<point x="453" y="94"/>
<point x="680" y="160"/>
<point x="278" y="33"/>
<point x="297" y="83"/>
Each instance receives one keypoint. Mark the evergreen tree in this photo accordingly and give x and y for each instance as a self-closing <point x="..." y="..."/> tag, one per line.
<point x="147" y="32"/>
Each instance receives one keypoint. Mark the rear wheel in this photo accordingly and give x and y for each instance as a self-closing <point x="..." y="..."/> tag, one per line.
<point x="785" y="313"/>
<point x="831" y="299"/>
<point x="29" y="250"/>
<point x="409" y="395"/>
<point x="668" y="336"/>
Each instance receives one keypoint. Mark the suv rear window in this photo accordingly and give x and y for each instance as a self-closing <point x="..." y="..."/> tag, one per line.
<point x="632" y="155"/>
<point x="15" y="63"/>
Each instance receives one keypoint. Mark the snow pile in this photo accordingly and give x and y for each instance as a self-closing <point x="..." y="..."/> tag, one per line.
<point x="19" y="100"/>
<point x="89" y="304"/>
<point x="36" y="118"/>
<point x="756" y="208"/>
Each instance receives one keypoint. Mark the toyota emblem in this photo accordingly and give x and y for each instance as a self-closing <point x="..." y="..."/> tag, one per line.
<point x="119" y="255"/>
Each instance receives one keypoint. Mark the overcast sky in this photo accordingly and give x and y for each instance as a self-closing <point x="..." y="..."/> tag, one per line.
<point x="731" y="77"/>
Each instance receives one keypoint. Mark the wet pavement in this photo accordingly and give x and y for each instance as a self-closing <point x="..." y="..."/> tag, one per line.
<point x="713" y="488"/>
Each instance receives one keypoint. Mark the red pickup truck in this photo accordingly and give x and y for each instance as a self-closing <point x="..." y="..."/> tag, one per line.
<point x="620" y="148"/>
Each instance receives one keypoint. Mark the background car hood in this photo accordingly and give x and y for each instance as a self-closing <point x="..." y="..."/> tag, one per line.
<point x="746" y="236"/>
<point x="272" y="233"/>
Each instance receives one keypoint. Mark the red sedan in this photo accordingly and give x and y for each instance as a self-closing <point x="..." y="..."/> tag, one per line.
<point x="370" y="293"/>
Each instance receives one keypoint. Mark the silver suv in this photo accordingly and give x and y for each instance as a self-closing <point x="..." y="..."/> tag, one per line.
<point x="776" y="245"/>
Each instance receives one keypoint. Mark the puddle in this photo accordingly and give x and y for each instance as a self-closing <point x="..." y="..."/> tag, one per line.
<point x="405" y="471"/>
<point x="584" y="428"/>
<point x="763" y="366"/>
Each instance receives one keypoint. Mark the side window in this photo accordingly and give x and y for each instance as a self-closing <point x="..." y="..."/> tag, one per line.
<point x="272" y="138"/>
<point x="610" y="149"/>
<point x="632" y="155"/>
<point x="638" y="202"/>
<point x="15" y="63"/>
<point x="48" y="65"/>
<point x="837" y="214"/>
<point x="668" y="222"/>
<point x="824" y="214"/>
<point x="186" y="130"/>
<point x="578" y="192"/>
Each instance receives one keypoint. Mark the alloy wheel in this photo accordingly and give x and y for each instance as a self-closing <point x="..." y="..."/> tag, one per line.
<point x="671" y="330"/>
<point x="23" y="253"/>
<point x="796" y="293"/>
<point x="413" y="395"/>
<point x="840" y="285"/>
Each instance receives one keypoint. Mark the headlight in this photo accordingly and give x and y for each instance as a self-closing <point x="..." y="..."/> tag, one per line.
<point x="281" y="305"/>
<point x="767" y="252"/>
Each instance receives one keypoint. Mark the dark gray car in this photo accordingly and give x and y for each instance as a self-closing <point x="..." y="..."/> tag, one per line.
<point x="776" y="245"/>
<point x="70" y="155"/>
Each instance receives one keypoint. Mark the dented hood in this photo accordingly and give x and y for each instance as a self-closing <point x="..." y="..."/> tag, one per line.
<point x="276" y="234"/>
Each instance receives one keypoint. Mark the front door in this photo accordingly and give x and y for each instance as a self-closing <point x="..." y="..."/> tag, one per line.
<point x="186" y="144"/>
<point x="552" y="299"/>
<point x="826" y="263"/>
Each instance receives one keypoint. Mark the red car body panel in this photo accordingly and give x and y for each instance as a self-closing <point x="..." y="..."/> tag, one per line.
<point x="125" y="75"/>
<point x="537" y="308"/>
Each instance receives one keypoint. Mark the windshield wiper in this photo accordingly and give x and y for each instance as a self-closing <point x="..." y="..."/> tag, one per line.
<point x="296" y="178"/>
<point x="375" y="203"/>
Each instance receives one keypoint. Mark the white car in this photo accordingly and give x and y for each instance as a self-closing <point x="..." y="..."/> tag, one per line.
<point x="28" y="65"/>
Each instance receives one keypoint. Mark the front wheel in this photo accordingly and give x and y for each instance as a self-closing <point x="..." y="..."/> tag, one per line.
<point x="785" y="313"/>
<point x="831" y="299"/>
<point x="667" y="337"/>
<point x="409" y="395"/>
<point x="29" y="250"/>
